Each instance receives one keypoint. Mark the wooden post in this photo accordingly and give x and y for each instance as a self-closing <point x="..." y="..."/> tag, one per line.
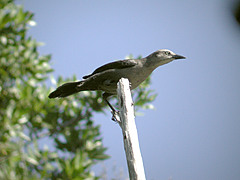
<point x="129" y="130"/>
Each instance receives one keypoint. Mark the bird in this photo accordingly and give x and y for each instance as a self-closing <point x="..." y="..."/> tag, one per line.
<point x="106" y="77"/>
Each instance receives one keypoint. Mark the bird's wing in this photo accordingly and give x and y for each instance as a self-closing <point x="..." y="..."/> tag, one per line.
<point x="121" y="64"/>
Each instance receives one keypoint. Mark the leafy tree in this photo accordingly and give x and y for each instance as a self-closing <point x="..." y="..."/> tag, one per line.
<point x="28" y="117"/>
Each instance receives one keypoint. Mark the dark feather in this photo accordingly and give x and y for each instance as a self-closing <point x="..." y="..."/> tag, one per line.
<point x="121" y="64"/>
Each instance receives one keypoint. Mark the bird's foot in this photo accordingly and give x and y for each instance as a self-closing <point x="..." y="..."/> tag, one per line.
<point x="130" y="84"/>
<point x="115" y="116"/>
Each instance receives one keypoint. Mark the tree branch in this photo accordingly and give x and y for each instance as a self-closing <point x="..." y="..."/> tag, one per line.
<point x="129" y="130"/>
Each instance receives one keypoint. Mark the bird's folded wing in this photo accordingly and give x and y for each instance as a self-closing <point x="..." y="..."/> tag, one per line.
<point x="121" y="64"/>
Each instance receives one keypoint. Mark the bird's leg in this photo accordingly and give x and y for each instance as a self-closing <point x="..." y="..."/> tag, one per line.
<point x="112" y="108"/>
<point x="115" y="113"/>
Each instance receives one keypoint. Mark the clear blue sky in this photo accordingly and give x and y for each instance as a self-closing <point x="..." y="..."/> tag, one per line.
<point x="194" y="131"/>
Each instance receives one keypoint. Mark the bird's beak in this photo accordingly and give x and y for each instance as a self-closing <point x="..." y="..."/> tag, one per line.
<point x="178" y="57"/>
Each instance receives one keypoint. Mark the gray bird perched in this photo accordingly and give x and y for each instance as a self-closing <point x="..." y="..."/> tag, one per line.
<point x="106" y="77"/>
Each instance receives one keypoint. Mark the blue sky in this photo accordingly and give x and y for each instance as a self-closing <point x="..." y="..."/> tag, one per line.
<point x="194" y="131"/>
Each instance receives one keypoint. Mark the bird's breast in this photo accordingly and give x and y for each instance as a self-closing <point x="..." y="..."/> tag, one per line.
<point x="135" y="75"/>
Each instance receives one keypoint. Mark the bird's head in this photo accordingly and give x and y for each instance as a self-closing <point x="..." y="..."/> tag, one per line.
<point x="163" y="56"/>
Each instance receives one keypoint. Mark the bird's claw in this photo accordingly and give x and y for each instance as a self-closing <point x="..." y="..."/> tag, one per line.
<point x="115" y="116"/>
<point x="130" y="84"/>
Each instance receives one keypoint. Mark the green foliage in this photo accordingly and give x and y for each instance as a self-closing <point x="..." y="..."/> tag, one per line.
<point x="28" y="119"/>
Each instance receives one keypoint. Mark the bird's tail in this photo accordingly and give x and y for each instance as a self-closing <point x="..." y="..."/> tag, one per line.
<point x="66" y="89"/>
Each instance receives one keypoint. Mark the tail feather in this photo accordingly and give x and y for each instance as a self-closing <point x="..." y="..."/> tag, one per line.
<point x="65" y="90"/>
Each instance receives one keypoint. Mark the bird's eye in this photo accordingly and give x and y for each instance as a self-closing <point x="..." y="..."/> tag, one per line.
<point x="167" y="53"/>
